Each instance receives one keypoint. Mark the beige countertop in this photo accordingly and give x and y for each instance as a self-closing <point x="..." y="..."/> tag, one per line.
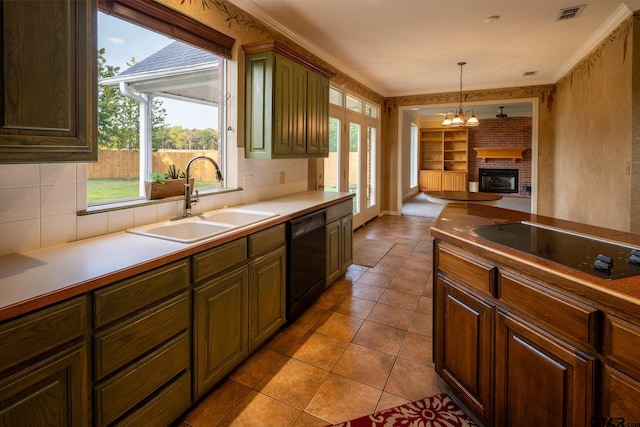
<point x="34" y="279"/>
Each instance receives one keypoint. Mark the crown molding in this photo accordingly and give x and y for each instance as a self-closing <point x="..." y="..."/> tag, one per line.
<point x="257" y="12"/>
<point x="620" y="15"/>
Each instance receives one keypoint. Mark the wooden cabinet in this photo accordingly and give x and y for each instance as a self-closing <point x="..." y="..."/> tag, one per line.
<point x="443" y="159"/>
<point x="454" y="181"/>
<point x="267" y="296"/>
<point x="239" y="301"/>
<point x="339" y="231"/>
<point x="539" y="379"/>
<point x="220" y="326"/>
<point x="516" y="352"/>
<point x="429" y="180"/>
<point x="463" y="326"/>
<point x="141" y="346"/>
<point x="619" y="399"/>
<point x="43" y="367"/>
<point x="48" y="101"/>
<point x="286" y="105"/>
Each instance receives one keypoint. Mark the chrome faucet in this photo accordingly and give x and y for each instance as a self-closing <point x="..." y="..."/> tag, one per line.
<point x="187" y="185"/>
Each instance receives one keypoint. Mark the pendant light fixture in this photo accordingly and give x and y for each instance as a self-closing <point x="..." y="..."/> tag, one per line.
<point x="458" y="118"/>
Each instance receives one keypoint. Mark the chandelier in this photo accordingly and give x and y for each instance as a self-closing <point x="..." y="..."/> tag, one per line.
<point x="458" y="118"/>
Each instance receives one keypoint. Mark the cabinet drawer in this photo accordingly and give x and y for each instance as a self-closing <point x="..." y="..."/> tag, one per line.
<point x="569" y="317"/>
<point x="164" y="408"/>
<point x="265" y="240"/>
<point x="466" y="269"/>
<point x="218" y="259"/>
<point x="621" y="344"/>
<point x="339" y="210"/>
<point x="127" y="341"/>
<point x="42" y="331"/>
<point x="121" y="393"/>
<point x="128" y="296"/>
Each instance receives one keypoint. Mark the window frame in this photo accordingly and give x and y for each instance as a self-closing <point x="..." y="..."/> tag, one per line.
<point x="159" y="18"/>
<point x="166" y="21"/>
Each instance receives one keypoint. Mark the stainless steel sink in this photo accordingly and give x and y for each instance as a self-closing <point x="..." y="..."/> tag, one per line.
<point x="189" y="230"/>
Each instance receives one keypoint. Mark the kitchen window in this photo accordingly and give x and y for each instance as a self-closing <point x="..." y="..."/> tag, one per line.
<point x="161" y="100"/>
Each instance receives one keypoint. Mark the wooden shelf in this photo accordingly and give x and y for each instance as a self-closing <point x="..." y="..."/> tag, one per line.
<point x="513" y="153"/>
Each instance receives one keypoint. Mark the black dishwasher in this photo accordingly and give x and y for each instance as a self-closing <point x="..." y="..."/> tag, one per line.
<point x="306" y="262"/>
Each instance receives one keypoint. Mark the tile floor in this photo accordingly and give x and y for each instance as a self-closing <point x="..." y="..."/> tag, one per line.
<point x="364" y="346"/>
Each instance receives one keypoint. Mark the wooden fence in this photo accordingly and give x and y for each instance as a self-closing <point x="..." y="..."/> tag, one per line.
<point x="126" y="164"/>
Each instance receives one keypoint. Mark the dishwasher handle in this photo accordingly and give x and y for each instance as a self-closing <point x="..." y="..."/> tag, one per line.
<point x="306" y="224"/>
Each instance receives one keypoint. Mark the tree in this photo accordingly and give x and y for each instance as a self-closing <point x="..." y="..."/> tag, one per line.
<point x="119" y="115"/>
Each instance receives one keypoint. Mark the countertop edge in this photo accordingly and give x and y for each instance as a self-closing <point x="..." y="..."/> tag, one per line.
<point x="160" y="252"/>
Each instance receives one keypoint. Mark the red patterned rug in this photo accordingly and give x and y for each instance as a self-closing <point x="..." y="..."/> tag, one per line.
<point x="435" y="411"/>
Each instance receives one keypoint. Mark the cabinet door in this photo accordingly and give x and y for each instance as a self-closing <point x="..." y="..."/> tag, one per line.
<point x="259" y="110"/>
<point x="463" y="352"/>
<point x="52" y="392"/>
<point x="334" y="256"/>
<point x="267" y="296"/>
<point x="620" y="397"/>
<point x="290" y="102"/>
<point x="346" y="241"/>
<point x="430" y="180"/>
<point x="540" y="381"/>
<point x="219" y="328"/>
<point x="454" y="181"/>
<point x="317" y="114"/>
<point x="48" y="87"/>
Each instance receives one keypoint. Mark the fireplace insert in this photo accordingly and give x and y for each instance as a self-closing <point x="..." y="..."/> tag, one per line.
<point x="499" y="180"/>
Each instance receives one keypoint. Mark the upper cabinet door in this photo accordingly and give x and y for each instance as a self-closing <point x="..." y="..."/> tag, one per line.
<point x="48" y="76"/>
<point x="287" y="104"/>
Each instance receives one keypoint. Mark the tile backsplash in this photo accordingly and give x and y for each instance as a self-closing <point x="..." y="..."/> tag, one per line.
<point x="40" y="202"/>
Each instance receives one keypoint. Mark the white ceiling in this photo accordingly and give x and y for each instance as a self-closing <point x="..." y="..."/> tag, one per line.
<point x="408" y="47"/>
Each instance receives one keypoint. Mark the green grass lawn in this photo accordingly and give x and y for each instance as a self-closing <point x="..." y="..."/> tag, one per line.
<point x="99" y="190"/>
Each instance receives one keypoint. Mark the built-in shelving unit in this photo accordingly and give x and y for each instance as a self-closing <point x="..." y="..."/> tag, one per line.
<point x="443" y="159"/>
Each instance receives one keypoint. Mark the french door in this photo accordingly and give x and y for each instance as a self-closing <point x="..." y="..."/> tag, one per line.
<point x="352" y="164"/>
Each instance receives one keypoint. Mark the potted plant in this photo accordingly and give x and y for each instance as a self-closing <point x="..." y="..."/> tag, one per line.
<point x="166" y="185"/>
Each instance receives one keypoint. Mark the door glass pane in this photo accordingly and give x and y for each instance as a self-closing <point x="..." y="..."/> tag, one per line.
<point x="332" y="163"/>
<point x="371" y="167"/>
<point x="354" y="165"/>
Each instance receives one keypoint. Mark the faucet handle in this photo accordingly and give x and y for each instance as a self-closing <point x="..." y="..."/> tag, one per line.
<point x="196" y="199"/>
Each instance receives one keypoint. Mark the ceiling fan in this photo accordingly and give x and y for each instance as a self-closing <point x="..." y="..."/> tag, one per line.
<point x="501" y="115"/>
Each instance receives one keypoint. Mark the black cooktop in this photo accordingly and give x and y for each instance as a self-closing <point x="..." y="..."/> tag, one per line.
<point x="603" y="259"/>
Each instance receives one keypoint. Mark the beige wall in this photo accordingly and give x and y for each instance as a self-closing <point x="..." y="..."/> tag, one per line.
<point x="593" y="136"/>
<point x="584" y="128"/>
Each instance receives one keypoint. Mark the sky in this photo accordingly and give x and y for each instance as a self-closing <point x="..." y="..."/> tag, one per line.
<point x="123" y="40"/>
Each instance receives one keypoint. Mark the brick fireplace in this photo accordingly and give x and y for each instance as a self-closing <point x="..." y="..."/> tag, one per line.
<point x="511" y="132"/>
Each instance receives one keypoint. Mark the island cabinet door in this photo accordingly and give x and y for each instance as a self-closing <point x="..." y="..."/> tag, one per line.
<point x="620" y="403"/>
<point x="463" y="350"/>
<point x="540" y="381"/>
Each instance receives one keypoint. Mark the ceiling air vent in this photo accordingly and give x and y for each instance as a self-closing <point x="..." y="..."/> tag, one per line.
<point x="570" y="12"/>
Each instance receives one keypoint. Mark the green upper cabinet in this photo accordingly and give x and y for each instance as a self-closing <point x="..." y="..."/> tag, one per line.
<point x="48" y="81"/>
<point x="287" y="104"/>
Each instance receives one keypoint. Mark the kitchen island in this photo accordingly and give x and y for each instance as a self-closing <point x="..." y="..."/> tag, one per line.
<point x="127" y="329"/>
<point x="525" y="340"/>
